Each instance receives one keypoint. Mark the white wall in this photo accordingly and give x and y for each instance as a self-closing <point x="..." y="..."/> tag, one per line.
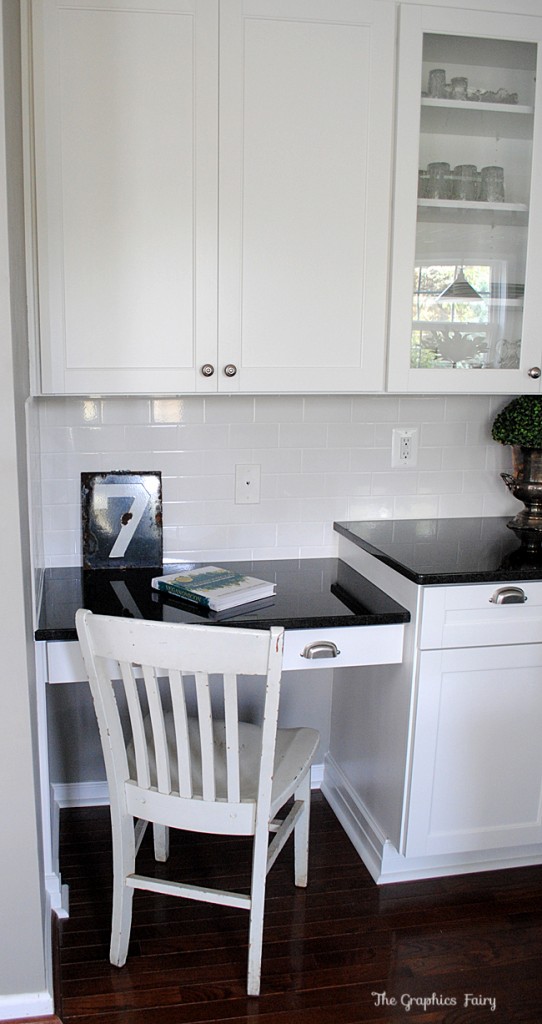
<point x="24" y="922"/>
<point x="322" y="459"/>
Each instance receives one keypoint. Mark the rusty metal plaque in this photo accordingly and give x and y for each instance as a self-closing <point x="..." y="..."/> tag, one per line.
<point x="121" y="519"/>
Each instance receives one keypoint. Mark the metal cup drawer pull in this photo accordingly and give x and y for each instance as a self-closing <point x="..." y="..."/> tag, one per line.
<point x="509" y="595"/>
<point x="320" y="649"/>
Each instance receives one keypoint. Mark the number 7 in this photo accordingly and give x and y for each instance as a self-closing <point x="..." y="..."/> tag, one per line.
<point x="131" y="519"/>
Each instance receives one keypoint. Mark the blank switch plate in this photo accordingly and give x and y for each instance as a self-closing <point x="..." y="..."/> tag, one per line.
<point x="247" y="484"/>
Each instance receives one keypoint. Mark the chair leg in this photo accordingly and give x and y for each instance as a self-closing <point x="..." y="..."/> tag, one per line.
<point x="257" y="906"/>
<point x="161" y="842"/>
<point x="301" y="833"/>
<point x="123" y="894"/>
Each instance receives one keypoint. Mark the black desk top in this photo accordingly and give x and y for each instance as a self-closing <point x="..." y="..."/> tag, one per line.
<point x="445" y="551"/>
<point x="312" y="593"/>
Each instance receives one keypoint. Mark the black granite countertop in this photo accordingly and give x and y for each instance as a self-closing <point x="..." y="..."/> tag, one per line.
<point x="312" y="593"/>
<point x="444" y="551"/>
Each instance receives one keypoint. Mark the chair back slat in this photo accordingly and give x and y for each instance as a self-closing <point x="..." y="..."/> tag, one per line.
<point x="182" y="740"/>
<point x="158" y="727"/>
<point x="206" y="735"/>
<point x="137" y="724"/>
<point x="231" y="725"/>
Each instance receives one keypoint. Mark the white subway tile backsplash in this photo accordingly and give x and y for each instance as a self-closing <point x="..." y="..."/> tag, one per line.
<point x="375" y="409"/>
<point x="452" y="505"/>
<point x="279" y="409"/>
<point x="350" y="435"/>
<point x="427" y="409"/>
<point x="349" y="484"/>
<point x="462" y="407"/>
<point x="398" y="481"/>
<point x="325" y="460"/>
<point x="415" y="507"/>
<point x="177" y="410"/>
<point x="229" y="409"/>
<point x="303" y="435"/>
<point x="322" y="458"/>
<point x="254" y="435"/>
<point x="444" y="434"/>
<point x="370" y="508"/>
<point x="327" y="409"/>
<point x="468" y="457"/>
<point x="121" y="411"/>
<point x="440" y="483"/>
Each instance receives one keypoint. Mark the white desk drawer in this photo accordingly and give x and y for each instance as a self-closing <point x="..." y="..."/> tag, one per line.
<point x="466" y="616"/>
<point x="65" y="662"/>
<point x="356" y="645"/>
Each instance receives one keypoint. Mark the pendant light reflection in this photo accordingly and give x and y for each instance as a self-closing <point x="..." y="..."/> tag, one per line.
<point x="459" y="289"/>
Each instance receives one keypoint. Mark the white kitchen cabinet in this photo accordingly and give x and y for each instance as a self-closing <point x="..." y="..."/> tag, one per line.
<point x="469" y="112"/>
<point x="476" y="780"/>
<point x="435" y="765"/>
<point x="212" y="187"/>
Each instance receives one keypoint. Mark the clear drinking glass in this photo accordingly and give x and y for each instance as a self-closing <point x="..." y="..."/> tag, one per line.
<point x="465" y="182"/>
<point x="437" y="83"/>
<point x="439" y="183"/>
<point x="492" y="185"/>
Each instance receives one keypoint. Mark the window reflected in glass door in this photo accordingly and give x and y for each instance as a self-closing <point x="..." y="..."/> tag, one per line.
<point x="459" y="317"/>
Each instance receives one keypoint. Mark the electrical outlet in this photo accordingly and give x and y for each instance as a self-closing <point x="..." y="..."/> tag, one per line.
<point x="404" y="447"/>
<point x="247" y="485"/>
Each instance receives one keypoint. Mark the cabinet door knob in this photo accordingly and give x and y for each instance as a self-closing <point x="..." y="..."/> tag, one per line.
<point x="230" y="370"/>
<point x="320" y="649"/>
<point x="509" y="595"/>
<point x="207" y="370"/>
<point x="535" y="372"/>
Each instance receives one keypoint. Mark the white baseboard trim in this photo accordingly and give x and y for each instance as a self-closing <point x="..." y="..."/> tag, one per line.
<point x="27" y="1004"/>
<point x="386" y="864"/>
<point x="360" y="828"/>
<point x="80" y="794"/>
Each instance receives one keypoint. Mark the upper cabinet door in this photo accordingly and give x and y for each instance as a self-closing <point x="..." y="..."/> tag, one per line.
<point x="306" y="97"/>
<point x="467" y="234"/>
<point x="125" y="117"/>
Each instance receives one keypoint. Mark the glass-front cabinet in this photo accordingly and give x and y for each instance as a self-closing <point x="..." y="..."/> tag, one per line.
<point x="466" y="310"/>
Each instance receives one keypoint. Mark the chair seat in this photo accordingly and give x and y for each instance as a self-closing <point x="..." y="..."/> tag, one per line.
<point x="294" y="750"/>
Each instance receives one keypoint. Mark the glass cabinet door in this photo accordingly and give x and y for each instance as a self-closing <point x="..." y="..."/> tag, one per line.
<point x="466" y="205"/>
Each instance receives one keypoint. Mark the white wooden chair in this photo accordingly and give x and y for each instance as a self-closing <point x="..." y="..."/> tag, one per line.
<point x="181" y="764"/>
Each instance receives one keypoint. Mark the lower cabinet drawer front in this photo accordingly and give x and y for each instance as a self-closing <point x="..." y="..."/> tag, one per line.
<point x="470" y="616"/>
<point x="354" y="645"/>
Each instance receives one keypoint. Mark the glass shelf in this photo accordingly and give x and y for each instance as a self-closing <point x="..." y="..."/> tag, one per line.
<point x="471" y="204"/>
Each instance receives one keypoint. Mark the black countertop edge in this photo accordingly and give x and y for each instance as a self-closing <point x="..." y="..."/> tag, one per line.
<point x="508" y="559"/>
<point x="311" y="594"/>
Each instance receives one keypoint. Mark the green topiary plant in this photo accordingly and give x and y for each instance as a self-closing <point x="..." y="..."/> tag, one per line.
<point x="520" y="422"/>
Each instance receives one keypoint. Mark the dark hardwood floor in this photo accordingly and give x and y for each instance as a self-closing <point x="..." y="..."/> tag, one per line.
<point x="461" y="949"/>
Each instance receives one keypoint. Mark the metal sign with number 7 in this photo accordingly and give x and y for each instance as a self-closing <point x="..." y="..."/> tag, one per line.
<point x="121" y="519"/>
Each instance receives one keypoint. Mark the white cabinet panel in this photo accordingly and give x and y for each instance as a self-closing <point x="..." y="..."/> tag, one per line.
<point x="126" y="179"/>
<point x="306" y="132"/>
<point x="477" y="768"/>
